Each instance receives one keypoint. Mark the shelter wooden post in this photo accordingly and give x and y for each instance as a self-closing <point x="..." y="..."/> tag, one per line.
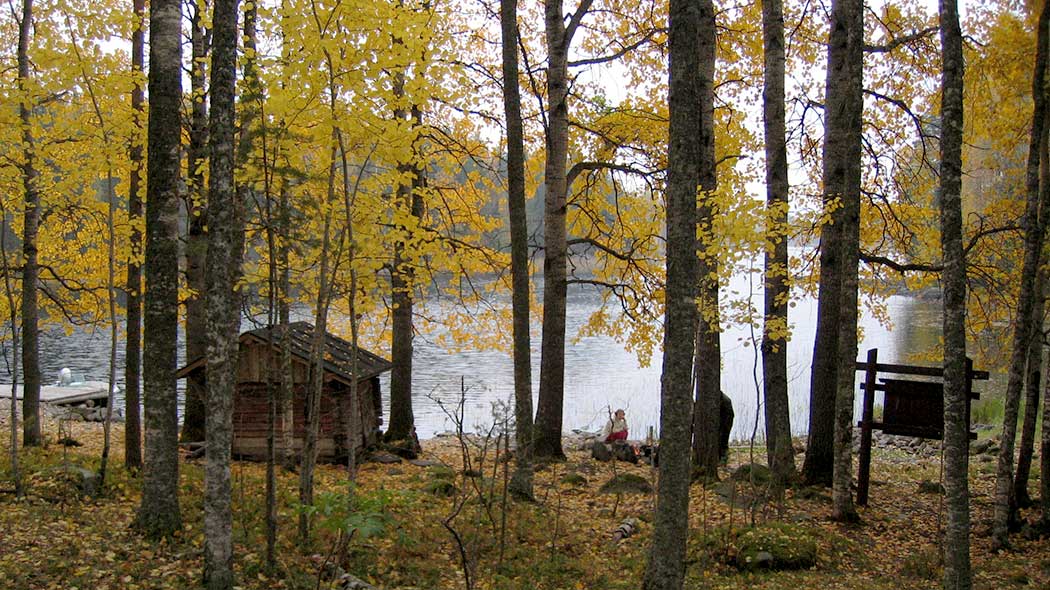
<point x="867" y="417"/>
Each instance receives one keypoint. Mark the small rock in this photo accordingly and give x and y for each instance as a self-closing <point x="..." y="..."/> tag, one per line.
<point x="930" y="487"/>
<point x="424" y="463"/>
<point x="763" y="560"/>
<point x="980" y="446"/>
<point x="394" y="471"/>
<point x="384" y="458"/>
<point x="351" y="582"/>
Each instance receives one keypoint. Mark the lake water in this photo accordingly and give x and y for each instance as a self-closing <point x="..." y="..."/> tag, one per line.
<point x="600" y="374"/>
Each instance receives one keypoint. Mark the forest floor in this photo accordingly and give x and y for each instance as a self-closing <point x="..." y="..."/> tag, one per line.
<point x="405" y="521"/>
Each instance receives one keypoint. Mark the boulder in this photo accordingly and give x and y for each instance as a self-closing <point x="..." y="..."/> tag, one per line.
<point x="624" y="452"/>
<point x="775" y="546"/>
<point x="725" y="425"/>
<point x="752" y="472"/>
<point x="626" y="483"/>
<point x="601" y="452"/>
<point x="86" y="481"/>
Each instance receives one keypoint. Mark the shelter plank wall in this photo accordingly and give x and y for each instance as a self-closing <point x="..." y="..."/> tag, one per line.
<point x="250" y="419"/>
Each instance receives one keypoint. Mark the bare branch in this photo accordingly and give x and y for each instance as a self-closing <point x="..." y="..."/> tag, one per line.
<point x="896" y="42"/>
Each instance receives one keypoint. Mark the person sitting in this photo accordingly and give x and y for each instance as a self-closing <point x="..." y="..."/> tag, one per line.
<point x="616" y="428"/>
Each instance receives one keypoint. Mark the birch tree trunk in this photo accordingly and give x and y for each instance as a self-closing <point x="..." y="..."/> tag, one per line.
<point x="225" y="242"/>
<point x="193" y="418"/>
<point x="111" y="304"/>
<point x="842" y="153"/>
<point x="1037" y="196"/>
<point x="521" y="483"/>
<point x="1044" y="461"/>
<point x="818" y="465"/>
<point x="708" y="357"/>
<point x="549" y="411"/>
<point x="285" y="394"/>
<point x="1034" y="363"/>
<point x="665" y="569"/>
<point x="780" y="453"/>
<point x="30" y="226"/>
<point x="249" y="128"/>
<point x="9" y="293"/>
<point x="953" y="278"/>
<point x="1032" y="385"/>
<point x="133" y="343"/>
<point x="402" y="283"/>
<point x="159" y="513"/>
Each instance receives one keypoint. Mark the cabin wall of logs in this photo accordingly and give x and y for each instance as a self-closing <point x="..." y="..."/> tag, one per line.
<point x="337" y="432"/>
<point x="258" y="372"/>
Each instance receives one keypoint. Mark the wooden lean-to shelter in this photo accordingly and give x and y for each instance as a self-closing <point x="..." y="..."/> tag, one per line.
<point x="257" y="371"/>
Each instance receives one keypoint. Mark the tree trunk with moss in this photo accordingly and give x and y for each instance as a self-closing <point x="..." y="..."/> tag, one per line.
<point x="30" y="226"/>
<point x="225" y="240"/>
<point x="842" y="154"/>
<point x="956" y="425"/>
<point x="779" y="450"/>
<point x="707" y="364"/>
<point x="1038" y="198"/>
<point x="159" y="514"/>
<point x="665" y="569"/>
<point x="521" y="483"/>
<point x="133" y="336"/>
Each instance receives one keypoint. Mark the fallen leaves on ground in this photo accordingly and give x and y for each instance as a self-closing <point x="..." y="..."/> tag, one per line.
<point x="54" y="539"/>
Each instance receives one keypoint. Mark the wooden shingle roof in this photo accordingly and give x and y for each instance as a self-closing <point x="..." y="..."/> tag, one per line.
<point x="338" y="354"/>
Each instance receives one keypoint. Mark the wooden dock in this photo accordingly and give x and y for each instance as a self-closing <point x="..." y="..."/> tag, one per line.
<point x="66" y="395"/>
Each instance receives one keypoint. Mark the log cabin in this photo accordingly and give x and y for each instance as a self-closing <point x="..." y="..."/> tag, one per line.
<point x="257" y="368"/>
